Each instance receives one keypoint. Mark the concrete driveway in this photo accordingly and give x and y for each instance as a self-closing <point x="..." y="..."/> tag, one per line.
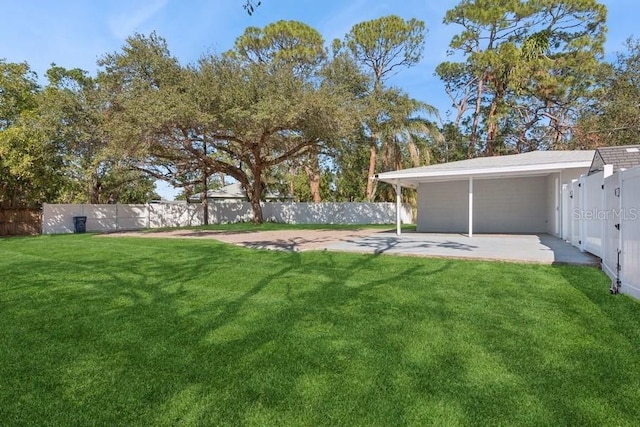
<point x="535" y="248"/>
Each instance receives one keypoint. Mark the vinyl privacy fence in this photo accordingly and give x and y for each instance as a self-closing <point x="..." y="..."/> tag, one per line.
<point x="604" y="219"/>
<point x="111" y="218"/>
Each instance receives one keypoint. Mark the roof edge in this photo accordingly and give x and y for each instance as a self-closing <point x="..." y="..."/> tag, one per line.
<point x="396" y="175"/>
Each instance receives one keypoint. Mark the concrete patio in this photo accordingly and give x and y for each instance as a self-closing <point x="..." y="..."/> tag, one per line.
<point x="534" y="248"/>
<point x="528" y="248"/>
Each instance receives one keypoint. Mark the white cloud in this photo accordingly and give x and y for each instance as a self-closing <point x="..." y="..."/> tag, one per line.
<point x="129" y="20"/>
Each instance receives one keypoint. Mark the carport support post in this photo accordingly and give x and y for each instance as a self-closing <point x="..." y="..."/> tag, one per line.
<point x="398" y="208"/>
<point x="470" y="206"/>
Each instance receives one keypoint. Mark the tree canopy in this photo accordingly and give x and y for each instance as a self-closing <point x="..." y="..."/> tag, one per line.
<point x="612" y="116"/>
<point x="379" y="48"/>
<point x="526" y="66"/>
<point x="53" y="146"/>
<point x="239" y="114"/>
<point x="282" y="111"/>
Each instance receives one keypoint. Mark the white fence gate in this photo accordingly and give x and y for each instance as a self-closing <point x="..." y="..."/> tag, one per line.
<point x="630" y="230"/>
<point x="592" y="209"/>
<point x="611" y="229"/>
<point x="576" y="197"/>
<point x="603" y="218"/>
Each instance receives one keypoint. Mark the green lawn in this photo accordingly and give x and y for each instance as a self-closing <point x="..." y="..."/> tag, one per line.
<point x="124" y="331"/>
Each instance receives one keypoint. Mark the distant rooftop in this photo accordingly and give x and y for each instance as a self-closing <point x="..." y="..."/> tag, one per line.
<point x="233" y="192"/>
<point x="621" y="157"/>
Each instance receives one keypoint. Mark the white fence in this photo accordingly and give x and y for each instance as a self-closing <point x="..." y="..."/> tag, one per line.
<point x="58" y="219"/>
<point x="604" y="219"/>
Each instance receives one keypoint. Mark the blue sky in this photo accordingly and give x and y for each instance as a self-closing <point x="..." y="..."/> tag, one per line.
<point x="75" y="33"/>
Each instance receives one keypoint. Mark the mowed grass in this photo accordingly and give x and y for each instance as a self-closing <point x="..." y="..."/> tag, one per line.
<point x="124" y="331"/>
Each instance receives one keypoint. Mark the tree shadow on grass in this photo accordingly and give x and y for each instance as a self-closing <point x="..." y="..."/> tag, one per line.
<point x="247" y="347"/>
<point x="207" y="333"/>
<point x="560" y="355"/>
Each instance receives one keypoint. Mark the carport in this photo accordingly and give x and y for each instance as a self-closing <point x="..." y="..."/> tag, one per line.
<point x="517" y="194"/>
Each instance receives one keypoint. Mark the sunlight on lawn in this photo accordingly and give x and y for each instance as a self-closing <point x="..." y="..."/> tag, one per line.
<point x="154" y="331"/>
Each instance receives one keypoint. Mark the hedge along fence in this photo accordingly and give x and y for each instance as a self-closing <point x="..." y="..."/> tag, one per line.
<point x="57" y="219"/>
<point x="20" y="221"/>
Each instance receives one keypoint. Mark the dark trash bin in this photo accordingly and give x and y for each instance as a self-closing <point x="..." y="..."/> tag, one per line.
<point x="79" y="224"/>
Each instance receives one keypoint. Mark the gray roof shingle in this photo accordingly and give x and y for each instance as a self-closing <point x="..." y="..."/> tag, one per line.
<point x="621" y="157"/>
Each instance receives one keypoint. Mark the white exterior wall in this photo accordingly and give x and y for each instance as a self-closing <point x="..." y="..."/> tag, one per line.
<point x="333" y="213"/>
<point x="101" y="217"/>
<point x="569" y="175"/>
<point x="566" y="212"/>
<point x="443" y="207"/>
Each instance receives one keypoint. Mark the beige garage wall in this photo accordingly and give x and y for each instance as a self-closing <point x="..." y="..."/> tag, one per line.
<point x="513" y="205"/>
<point x="443" y="207"/>
<point x="506" y="205"/>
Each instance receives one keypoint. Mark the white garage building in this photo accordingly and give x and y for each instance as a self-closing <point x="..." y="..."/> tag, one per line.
<point x="519" y="193"/>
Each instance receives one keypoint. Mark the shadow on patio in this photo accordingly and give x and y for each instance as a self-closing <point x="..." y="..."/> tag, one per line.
<point x="529" y="248"/>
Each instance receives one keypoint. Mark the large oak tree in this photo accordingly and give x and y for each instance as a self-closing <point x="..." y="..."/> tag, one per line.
<point x="239" y="114"/>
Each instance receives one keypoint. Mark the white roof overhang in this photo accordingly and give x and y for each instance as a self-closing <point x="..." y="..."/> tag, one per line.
<point x="412" y="179"/>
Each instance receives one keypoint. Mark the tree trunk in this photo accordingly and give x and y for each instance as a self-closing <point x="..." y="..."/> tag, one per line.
<point x="313" y="173"/>
<point x="292" y="174"/>
<point x="386" y="155"/>
<point x="473" y="138"/>
<point x="255" y="196"/>
<point x="492" y="121"/>
<point x="94" y="190"/>
<point x="555" y="125"/>
<point x="492" y="129"/>
<point x="314" y="184"/>
<point x="205" y="197"/>
<point x="314" y="187"/>
<point x="414" y="154"/>
<point x="372" y="171"/>
<point x="397" y="156"/>
<point x="205" y="184"/>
